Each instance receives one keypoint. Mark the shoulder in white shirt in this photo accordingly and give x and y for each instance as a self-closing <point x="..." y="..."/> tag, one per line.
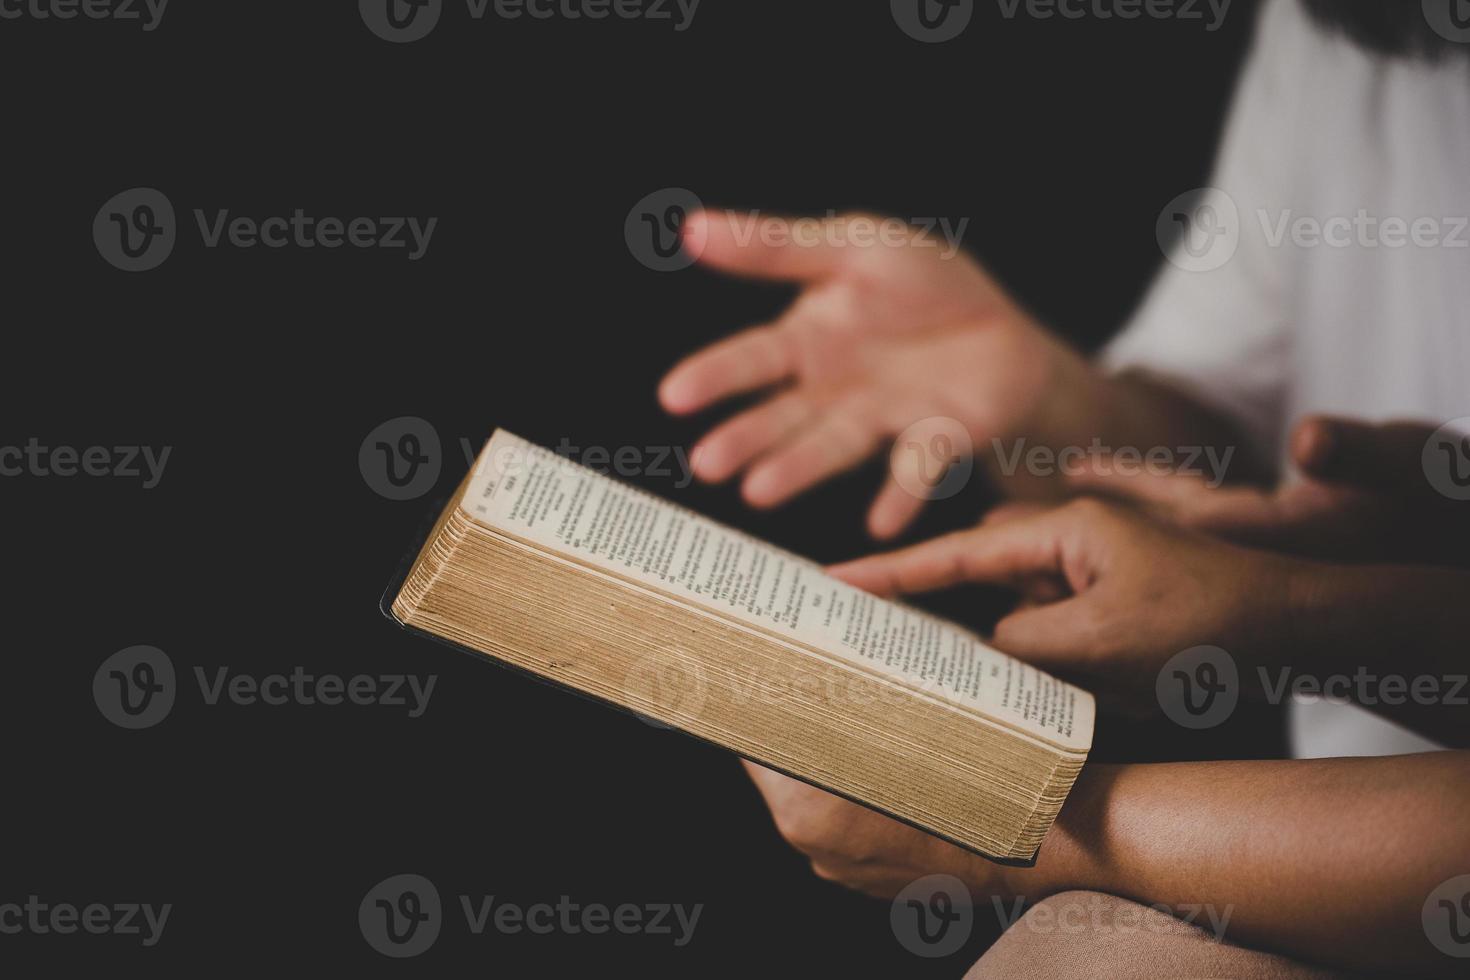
<point x="1331" y="270"/>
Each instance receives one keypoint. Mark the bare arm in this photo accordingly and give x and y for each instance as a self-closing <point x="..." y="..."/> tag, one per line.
<point x="1328" y="860"/>
<point x="1391" y="638"/>
<point x="1087" y="408"/>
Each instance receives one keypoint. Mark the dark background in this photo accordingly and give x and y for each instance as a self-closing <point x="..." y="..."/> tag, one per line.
<point x="263" y="548"/>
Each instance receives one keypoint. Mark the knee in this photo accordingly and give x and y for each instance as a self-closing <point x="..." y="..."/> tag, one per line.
<point x="1078" y="933"/>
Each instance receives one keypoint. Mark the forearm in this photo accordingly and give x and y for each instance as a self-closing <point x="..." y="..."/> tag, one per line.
<point x="1092" y="411"/>
<point x="1327" y="860"/>
<point x="1391" y="638"/>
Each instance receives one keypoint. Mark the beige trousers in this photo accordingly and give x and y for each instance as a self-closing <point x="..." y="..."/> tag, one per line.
<point x="1082" y="935"/>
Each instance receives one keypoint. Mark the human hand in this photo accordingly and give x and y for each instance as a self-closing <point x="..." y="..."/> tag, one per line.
<point x="1115" y="594"/>
<point x="1363" y="496"/>
<point x="881" y="336"/>
<point x="860" y="848"/>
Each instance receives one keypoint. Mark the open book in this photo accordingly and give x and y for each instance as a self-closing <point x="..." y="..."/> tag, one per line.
<point x="613" y="592"/>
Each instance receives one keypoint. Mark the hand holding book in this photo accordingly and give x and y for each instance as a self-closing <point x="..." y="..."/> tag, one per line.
<point x="548" y="567"/>
<point x="1262" y="843"/>
<point x="583" y="582"/>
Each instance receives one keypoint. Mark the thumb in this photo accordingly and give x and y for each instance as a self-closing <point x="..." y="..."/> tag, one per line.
<point x="766" y="246"/>
<point x="1359" y="454"/>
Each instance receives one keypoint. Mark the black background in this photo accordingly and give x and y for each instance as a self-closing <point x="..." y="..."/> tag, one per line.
<point x="263" y="548"/>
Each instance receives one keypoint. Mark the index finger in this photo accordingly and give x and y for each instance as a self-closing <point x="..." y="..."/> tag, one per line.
<point x="1001" y="554"/>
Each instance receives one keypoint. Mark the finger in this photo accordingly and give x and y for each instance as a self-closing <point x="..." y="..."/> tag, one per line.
<point x="910" y="484"/>
<point x="777" y="788"/>
<point x="841" y="438"/>
<point x="1370" y="457"/>
<point x="767" y="246"/>
<point x="1058" y="635"/>
<point x="1186" y="499"/>
<point x="1004" y="554"/>
<point x="1011" y="511"/>
<point x="893" y="509"/>
<point x="1041" y="590"/>
<point x="762" y="777"/>
<point x="771" y="785"/>
<point x="751" y="359"/>
<point x="1168" y="490"/>
<point x="732" y="445"/>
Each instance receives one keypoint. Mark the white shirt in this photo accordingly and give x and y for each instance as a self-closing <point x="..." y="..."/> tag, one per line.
<point x="1341" y="283"/>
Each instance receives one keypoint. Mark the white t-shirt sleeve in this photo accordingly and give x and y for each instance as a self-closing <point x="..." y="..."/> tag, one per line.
<point x="1218" y="330"/>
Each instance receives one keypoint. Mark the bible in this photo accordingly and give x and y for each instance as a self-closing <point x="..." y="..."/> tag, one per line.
<point x="611" y="591"/>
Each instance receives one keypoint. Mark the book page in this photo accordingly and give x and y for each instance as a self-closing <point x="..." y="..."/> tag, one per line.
<point x="533" y="494"/>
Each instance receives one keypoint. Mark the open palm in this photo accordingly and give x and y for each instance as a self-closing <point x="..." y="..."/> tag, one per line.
<point x="882" y="335"/>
